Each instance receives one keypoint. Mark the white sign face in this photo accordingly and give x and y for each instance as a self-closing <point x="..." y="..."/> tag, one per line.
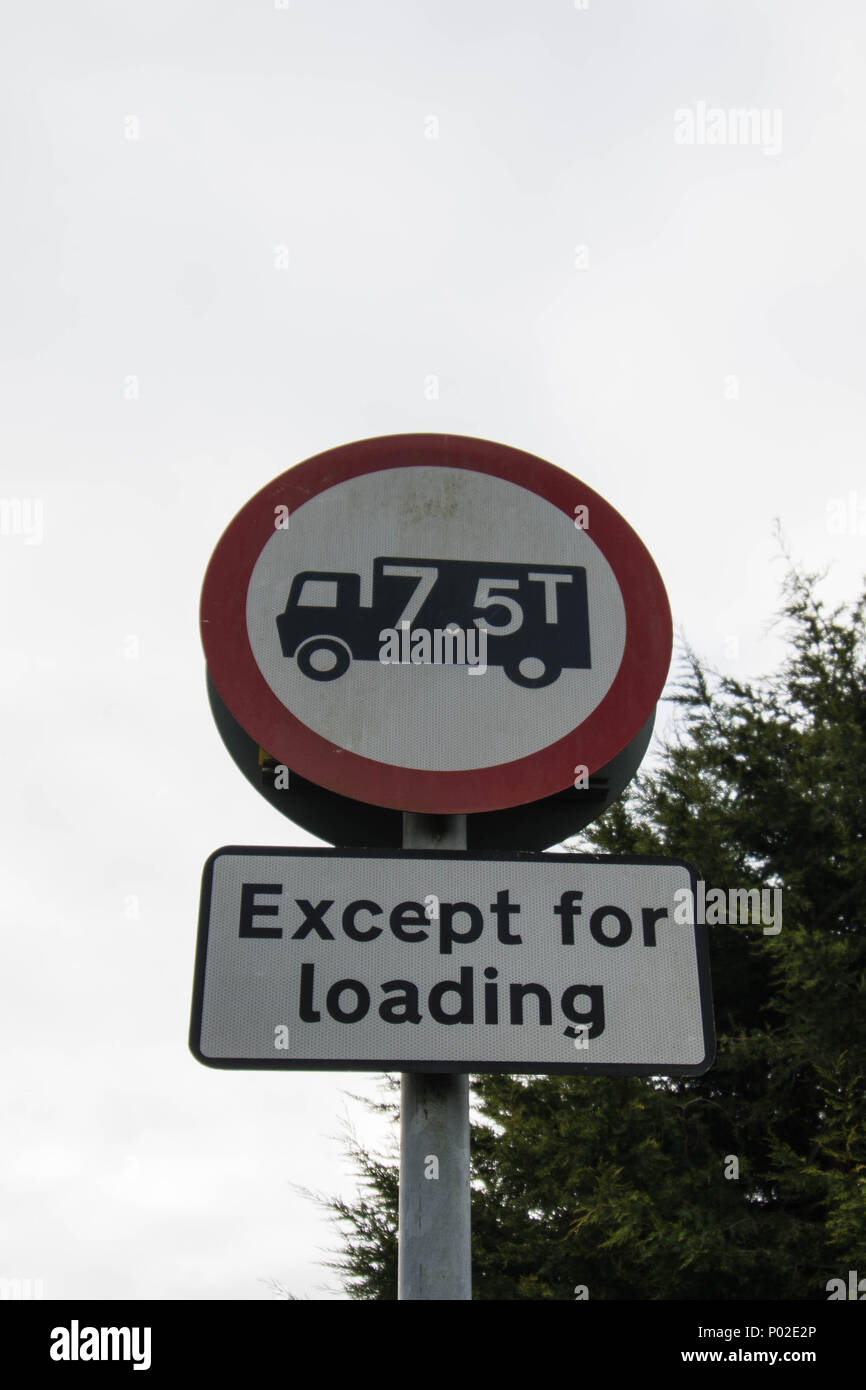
<point x="416" y="522"/>
<point x="446" y="961"/>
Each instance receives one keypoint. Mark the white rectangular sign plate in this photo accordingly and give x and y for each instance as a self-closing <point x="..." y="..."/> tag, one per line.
<point x="418" y="960"/>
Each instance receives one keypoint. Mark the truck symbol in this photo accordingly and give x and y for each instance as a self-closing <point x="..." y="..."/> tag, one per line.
<point x="535" y="616"/>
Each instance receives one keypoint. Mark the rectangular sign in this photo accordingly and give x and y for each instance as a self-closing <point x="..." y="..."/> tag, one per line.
<point x="414" y="960"/>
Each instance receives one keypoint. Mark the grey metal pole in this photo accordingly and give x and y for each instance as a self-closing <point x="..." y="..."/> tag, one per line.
<point x="435" y="1256"/>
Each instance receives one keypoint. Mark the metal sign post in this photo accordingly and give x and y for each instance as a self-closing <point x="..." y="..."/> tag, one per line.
<point x="434" y="1241"/>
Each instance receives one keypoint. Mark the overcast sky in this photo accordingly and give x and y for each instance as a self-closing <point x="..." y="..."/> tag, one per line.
<point x="236" y="234"/>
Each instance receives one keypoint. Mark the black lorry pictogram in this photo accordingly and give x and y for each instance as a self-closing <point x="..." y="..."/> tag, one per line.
<point x="534" y="615"/>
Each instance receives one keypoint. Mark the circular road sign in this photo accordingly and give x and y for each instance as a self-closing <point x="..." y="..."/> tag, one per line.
<point x="435" y="623"/>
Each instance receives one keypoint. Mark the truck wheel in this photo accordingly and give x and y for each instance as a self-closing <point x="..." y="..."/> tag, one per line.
<point x="324" y="658"/>
<point x="530" y="677"/>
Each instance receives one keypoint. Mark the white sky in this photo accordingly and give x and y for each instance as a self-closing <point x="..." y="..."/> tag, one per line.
<point x="703" y="371"/>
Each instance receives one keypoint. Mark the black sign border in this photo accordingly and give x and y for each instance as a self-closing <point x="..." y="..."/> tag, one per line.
<point x="398" y="1065"/>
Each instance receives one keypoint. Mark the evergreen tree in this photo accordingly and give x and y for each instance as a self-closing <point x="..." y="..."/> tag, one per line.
<point x="368" y="1266"/>
<point x="626" y="1186"/>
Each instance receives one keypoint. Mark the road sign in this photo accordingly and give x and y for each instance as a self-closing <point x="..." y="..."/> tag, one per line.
<point x="422" y="961"/>
<point x="435" y="623"/>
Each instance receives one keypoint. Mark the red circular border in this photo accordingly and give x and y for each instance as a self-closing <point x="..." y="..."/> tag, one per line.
<point x="613" y="723"/>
